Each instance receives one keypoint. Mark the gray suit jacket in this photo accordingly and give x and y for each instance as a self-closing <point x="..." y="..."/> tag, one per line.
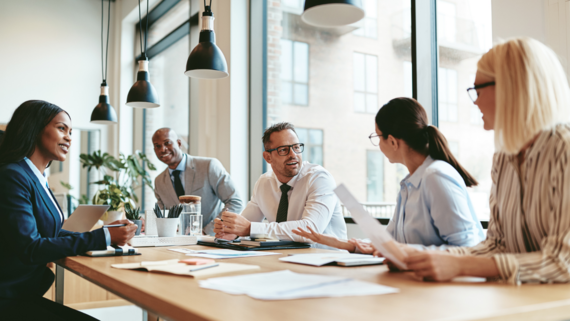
<point x="204" y="177"/>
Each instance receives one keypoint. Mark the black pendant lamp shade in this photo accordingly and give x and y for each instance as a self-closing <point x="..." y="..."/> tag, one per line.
<point x="207" y="61"/>
<point x="142" y="93"/>
<point x="104" y="113"/>
<point x="332" y="13"/>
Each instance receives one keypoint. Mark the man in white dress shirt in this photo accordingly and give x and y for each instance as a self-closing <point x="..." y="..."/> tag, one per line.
<point x="294" y="194"/>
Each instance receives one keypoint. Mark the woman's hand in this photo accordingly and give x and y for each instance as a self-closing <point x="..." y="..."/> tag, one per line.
<point x="325" y="239"/>
<point x="363" y="247"/>
<point x="121" y="235"/>
<point x="434" y="265"/>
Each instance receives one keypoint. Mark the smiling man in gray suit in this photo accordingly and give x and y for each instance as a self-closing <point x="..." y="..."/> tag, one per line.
<point x="189" y="175"/>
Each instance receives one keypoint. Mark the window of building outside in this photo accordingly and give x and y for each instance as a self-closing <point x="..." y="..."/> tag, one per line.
<point x="349" y="78"/>
<point x="447" y="86"/>
<point x="294" y="72"/>
<point x="167" y="76"/>
<point x="313" y="140"/>
<point x="368" y="27"/>
<point x="365" y="83"/>
<point x="374" y="176"/>
<point x="464" y="34"/>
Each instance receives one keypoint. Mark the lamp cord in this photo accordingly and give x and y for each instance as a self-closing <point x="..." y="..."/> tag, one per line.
<point x="105" y="58"/>
<point x="140" y="30"/>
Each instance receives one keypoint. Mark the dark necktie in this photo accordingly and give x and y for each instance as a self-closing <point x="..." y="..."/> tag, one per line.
<point x="283" y="204"/>
<point x="178" y="183"/>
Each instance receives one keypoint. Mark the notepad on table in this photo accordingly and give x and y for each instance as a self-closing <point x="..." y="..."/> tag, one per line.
<point x="343" y="259"/>
<point x="174" y="267"/>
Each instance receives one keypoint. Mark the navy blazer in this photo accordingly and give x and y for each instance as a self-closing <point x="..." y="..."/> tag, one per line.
<point x="31" y="234"/>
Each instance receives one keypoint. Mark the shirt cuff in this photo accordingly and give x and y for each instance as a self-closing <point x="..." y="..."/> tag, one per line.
<point x="258" y="228"/>
<point x="508" y="267"/>
<point x="459" y="250"/>
<point x="107" y="236"/>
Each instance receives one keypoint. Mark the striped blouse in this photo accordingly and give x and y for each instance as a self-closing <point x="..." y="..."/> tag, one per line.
<point x="529" y="228"/>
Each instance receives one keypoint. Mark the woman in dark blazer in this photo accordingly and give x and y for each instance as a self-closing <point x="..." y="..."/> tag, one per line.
<point x="30" y="218"/>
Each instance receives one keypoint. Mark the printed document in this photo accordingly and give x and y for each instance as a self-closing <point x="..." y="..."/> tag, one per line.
<point x="221" y="254"/>
<point x="377" y="234"/>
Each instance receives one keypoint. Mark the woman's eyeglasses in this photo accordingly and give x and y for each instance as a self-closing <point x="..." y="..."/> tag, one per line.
<point x="374" y="139"/>
<point x="472" y="92"/>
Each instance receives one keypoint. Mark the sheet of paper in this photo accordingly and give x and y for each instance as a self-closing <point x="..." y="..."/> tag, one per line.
<point x="173" y="267"/>
<point x="320" y="259"/>
<point x="377" y="234"/>
<point x="287" y="285"/>
<point x="221" y="254"/>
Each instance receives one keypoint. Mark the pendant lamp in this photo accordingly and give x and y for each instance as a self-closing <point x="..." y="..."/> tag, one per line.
<point x="207" y="61"/>
<point x="332" y="13"/>
<point x="104" y="113"/>
<point x="142" y="94"/>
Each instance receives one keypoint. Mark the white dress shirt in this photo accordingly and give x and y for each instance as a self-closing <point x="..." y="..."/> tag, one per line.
<point x="312" y="202"/>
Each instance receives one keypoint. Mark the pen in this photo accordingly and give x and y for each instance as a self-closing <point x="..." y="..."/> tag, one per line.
<point x="204" y="267"/>
<point x="114" y="225"/>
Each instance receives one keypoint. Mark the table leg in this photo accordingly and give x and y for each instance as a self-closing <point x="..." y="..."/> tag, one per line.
<point x="59" y="273"/>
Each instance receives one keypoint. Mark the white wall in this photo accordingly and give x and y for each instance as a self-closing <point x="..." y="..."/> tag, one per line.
<point x="51" y="50"/>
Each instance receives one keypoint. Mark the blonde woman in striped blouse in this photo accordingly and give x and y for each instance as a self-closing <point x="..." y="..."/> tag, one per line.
<point x="522" y="91"/>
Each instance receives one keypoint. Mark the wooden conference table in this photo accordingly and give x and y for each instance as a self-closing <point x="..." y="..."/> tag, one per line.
<point x="180" y="298"/>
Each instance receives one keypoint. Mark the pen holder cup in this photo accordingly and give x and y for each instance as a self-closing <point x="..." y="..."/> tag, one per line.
<point x="166" y="227"/>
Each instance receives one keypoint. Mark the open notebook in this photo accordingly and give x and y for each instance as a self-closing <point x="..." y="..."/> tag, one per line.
<point x="173" y="267"/>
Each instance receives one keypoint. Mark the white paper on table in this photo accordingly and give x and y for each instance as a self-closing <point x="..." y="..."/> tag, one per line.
<point x="221" y="254"/>
<point x="287" y="285"/>
<point x="377" y="234"/>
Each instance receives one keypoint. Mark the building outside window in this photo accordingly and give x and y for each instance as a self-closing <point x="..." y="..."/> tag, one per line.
<point x="464" y="34"/>
<point x="365" y="83"/>
<point x="294" y="72"/>
<point x="368" y="27"/>
<point x="313" y="140"/>
<point x="374" y="176"/>
<point x="447" y="95"/>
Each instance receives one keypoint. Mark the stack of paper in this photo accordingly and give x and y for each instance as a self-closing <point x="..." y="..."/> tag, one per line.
<point x="287" y="285"/>
<point x="174" y="267"/>
<point x="222" y="254"/>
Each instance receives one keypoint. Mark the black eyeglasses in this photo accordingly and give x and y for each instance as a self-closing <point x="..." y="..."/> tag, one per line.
<point x="285" y="149"/>
<point x="374" y="139"/>
<point x="472" y="92"/>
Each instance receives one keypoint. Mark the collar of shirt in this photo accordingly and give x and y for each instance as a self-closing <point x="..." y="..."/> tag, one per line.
<point x="181" y="166"/>
<point x="293" y="180"/>
<point x="416" y="178"/>
<point x="40" y="176"/>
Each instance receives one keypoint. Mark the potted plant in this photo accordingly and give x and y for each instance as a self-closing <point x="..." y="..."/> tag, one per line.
<point x="134" y="214"/>
<point x="127" y="174"/>
<point x="113" y="196"/>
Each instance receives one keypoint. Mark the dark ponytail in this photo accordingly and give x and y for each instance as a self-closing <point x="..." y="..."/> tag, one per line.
<point x="406" y="119"/>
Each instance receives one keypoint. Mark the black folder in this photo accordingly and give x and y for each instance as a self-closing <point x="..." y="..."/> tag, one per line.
<point x="287" y="245"/>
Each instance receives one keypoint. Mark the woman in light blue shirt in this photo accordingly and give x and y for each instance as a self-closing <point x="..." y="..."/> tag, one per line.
<point x="433" y="207"/>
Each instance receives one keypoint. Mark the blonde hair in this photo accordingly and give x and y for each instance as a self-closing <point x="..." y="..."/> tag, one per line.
<point x="531" y="88"/>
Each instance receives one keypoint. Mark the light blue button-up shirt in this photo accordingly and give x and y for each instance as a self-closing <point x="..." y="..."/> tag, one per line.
<point x="181" y="167"/>
<point x="434" y="208"/>
<point x="44" y="184"/>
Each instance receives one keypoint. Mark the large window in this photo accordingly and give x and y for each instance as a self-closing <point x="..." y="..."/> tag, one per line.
<point x="168" y="51"/>
<point x="294" y="72"/>
<point x="348" y="77"/>
<point x="464" y="33"/>
<point x="365" y="83"/>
